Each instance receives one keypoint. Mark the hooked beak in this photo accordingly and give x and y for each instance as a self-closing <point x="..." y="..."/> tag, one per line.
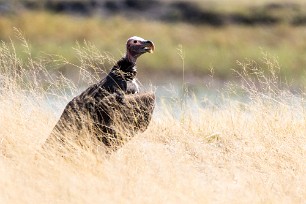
<point x="148" y="46"/>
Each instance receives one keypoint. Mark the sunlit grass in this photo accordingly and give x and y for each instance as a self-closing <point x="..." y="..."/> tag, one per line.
<point x="239" y="152"/>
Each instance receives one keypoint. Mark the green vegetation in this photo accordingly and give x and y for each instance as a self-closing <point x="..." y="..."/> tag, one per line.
<point x="204" y="47"/>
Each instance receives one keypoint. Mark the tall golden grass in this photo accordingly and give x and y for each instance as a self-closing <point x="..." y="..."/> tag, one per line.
<point x="239" y="152"/>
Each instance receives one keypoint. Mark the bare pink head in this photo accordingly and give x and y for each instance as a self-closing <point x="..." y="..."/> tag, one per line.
<point x="136" y="46"/>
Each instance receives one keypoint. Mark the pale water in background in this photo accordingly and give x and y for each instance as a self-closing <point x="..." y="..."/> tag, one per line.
<point x="175" y="98"/>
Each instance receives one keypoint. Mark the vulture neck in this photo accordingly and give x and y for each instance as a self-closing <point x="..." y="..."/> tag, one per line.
<point x="126" y="65"/>
<point x="130" y="57"/>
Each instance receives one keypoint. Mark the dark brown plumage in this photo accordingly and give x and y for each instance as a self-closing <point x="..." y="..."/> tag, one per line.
<point x="111" y="109"/>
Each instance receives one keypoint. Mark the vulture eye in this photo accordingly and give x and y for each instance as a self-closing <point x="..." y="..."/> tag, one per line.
<point x="135" y="41"/>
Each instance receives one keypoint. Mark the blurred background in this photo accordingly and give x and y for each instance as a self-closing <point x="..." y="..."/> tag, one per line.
<point x="195" y="40"/>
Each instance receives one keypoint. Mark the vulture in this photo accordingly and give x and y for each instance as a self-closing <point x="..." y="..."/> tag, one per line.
<point x="112" y="110"/>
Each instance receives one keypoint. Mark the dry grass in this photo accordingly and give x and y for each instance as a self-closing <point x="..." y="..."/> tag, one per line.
<point x="240" y="152"/>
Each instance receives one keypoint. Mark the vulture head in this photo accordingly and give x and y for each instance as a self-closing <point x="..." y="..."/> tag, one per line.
<point x="136" y="46"/>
